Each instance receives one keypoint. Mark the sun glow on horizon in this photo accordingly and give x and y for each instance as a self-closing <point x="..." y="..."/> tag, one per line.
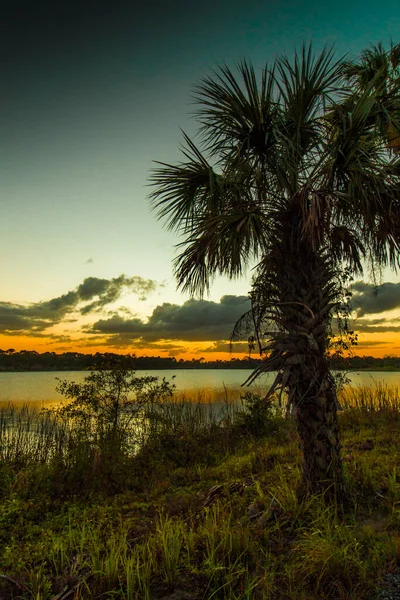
<point x="376" y="345"/>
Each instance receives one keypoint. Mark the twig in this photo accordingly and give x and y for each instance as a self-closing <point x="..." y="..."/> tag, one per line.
<point x="21" y="586"/>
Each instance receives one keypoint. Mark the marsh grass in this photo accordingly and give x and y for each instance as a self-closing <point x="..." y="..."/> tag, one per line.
<point x="26" y="435"/>
<point x="191" y="413"/>
<point x="152" y="533"/>
<point x="377" y="398"/>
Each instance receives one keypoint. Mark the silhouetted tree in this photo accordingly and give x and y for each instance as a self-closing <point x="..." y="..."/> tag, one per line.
<point x="293" y="170"/>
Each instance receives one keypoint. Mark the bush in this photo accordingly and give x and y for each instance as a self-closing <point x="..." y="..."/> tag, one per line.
<point x="107" y="415"/>
<point x="257" y="416"/>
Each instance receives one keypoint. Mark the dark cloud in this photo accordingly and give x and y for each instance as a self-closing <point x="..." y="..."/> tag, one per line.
<point x="207" y="321"/>
<point x="368" y="344"/>
<point x="92" y="295"/>
<point x="61" y="339"/>
<point x="378" y="329"/>
<point x="121" y="342"/>
<point x="108" y="291"/>
<point x="376" y="325"/>
<point x="371" y="299"/>
<point x="195" y="320"/>
<point x="14" y="318"/>
<point x="225" y="346"/>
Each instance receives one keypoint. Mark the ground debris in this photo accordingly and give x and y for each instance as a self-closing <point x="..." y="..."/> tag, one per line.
<point x="389" y="588"/>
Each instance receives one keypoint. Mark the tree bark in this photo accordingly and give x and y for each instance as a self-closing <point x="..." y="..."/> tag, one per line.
<point x="304" y="287"/>
<point x="315" y="414"/>
<point x="312" y="389"/>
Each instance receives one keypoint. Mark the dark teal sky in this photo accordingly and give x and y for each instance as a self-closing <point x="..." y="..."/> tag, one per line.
<point x="92" y="95"/>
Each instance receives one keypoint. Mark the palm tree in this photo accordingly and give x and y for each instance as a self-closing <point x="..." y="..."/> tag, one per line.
<point x="378" y="70"/>
<point x="292" y="171"/>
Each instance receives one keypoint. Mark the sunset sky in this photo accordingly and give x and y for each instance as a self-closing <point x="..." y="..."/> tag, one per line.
<point x="92" y="94"/>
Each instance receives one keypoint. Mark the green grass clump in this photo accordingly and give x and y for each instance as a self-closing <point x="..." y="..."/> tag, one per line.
<point x="204" y="507"/>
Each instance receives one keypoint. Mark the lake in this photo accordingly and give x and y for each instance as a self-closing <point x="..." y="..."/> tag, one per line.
<point x="38" y="388"/>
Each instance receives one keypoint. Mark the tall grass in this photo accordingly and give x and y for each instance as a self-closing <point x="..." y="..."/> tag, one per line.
<point x="93" y="456"/>
<point x="319" y="556"/>
<point x="378" y="398"/>
<point x="31" y="436"/>
<point x="192" y="412"/>
<point x="28" y="436"/>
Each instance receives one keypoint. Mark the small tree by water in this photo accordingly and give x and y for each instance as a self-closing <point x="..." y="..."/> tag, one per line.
<point x="107" y="409"/>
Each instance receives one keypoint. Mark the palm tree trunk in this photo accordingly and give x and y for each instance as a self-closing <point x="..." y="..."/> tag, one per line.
<point x="306" y="293"/>
<point x="315" y="414"/>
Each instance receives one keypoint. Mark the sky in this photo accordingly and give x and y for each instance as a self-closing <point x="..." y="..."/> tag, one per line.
<point x="93" y="93"/>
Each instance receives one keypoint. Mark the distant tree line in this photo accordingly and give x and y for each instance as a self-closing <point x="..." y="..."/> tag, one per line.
<point x="365" y="363"/>
<point x="30" y="360"/>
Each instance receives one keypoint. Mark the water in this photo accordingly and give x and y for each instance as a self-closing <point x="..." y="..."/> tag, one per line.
<point x="38" y="388"/>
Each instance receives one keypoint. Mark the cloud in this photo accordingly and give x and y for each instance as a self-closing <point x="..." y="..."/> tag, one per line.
<point x="370" y="299"/>
<point x="121" y="342"/>
<point x="225" y="346"/>
<point x="368" y="344"/>
<point x="376" y="325"/>
<point x="92" y="295"/>
<point x="170" y="325"/>
<point x="207" y="321"/>
<point x="195" y="320"/>
<point x="365" y="344"/>
<point x="108" y="291"/>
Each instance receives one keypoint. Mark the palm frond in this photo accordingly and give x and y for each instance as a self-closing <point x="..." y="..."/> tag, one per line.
<point x="237" y="113"/>
<point x="185" y="191"/>
<point x="347" y="247"/>
<point x="306" y="85"/>
<point x="224" y="244"/>
<point x="306" y="142"/>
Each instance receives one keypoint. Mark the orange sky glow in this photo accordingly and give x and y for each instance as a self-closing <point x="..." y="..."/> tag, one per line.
<point x="375" y="344"/>
<point x="96" y="99"/>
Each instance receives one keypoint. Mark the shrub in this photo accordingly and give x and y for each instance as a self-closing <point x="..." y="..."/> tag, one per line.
<point x="257" y="418"/>
<point x="108" y="417"/>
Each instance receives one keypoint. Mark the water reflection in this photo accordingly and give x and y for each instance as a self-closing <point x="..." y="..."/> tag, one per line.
<point x="201" y="386"/>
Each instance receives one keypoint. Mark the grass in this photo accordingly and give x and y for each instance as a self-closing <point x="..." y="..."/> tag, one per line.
<point x="379" y="398"/>
<point x="207" y="508"/>
<point x="28" y="436"/>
